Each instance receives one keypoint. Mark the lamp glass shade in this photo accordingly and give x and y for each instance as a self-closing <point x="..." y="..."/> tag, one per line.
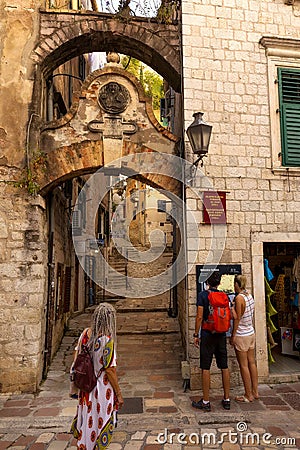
<point x="199" y="134"/>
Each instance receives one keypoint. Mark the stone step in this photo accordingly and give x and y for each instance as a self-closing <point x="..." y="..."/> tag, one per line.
<point x="145" y="322"/>
<point x="112" y="275"/>
<point x="117" y="266"/>
<point x="111" y="287"/>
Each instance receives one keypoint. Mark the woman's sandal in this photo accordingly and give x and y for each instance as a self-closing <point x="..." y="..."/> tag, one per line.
<point x="75" y="396"/>
<point x="242" y="399"/>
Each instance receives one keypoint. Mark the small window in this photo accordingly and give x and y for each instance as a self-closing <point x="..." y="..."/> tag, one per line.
<point x="289" y="106"/>
<point x="161" y="206"/>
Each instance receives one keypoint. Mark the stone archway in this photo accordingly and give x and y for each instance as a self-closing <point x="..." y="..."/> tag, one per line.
<point x="155" y="44"/>
<point x="98" y="130"/>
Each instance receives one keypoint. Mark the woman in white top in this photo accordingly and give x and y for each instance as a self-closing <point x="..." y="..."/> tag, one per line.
<point x="243" y="339"/>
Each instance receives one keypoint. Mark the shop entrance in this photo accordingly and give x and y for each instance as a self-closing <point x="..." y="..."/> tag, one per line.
<point x="282" y="286"/>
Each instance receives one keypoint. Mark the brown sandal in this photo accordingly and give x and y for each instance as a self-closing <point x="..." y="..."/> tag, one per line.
<point x="242" y="399"/>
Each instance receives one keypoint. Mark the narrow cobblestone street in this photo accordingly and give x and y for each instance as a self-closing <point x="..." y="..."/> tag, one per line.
<point x="149" y="357"/>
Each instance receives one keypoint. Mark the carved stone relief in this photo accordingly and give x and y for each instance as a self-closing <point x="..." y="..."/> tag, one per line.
<point x="114" y="98"/>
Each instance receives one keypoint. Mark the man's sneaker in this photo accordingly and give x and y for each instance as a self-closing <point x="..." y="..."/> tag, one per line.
<point x="200" y="405"/>
<point x="226" y="404"/>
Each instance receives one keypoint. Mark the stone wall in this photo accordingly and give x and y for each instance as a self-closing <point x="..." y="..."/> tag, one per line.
<point x="23" y="244"/>
<point x="225" y="72"/>
<point x="156" y="44"/>
<point x="19" y="26"/>
<point x="28" y="49"/>
<point x="23" y="266"/>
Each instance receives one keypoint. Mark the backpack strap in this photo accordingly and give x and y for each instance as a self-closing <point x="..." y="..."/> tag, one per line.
<point x="208" y="303"/>
<point x="83" y="339"/>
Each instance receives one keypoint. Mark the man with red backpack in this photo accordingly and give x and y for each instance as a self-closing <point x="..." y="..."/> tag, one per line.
<point x="212" y="323"/>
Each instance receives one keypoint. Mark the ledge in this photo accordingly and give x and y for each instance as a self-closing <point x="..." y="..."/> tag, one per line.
<point x="105" y="15"/>
<point x="281" y="46"/>
<point x="287" y="171"/>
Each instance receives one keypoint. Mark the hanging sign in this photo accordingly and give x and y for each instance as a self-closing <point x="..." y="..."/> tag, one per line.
<point x="214" y="207"/>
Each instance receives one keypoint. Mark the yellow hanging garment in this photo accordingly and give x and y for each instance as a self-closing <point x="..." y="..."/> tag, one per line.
<point x="270" y="308"/>
<point x="271" y="324"/>
<point x="269" y="290"/>
<point x="270" y="356"/>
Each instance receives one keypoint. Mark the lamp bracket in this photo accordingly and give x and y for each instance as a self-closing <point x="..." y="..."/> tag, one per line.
<point x="200" y="158"/>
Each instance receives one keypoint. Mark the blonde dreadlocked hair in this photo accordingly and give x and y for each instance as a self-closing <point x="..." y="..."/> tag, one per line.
<point x="103" y="322"/>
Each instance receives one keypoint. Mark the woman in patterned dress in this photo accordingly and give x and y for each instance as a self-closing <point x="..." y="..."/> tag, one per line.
<point x="95" y="420"/>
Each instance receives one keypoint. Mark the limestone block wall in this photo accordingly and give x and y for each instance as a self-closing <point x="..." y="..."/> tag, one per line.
<point x="23" y="243"/>
<point x="225" y="73"/>
<point x="63" y="255"/>
<point x="19" y="27"/>
<point x="23" y="270"/>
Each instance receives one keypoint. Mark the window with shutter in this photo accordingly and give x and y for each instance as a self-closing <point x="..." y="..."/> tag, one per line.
<point x="67" y="292"/>
<point x="289" y="103"/>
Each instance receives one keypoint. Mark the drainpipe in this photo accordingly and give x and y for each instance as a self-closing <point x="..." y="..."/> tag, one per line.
<point x="28" y="139"/>
<point x="174" y="273"/>
<point x="182" y="155"/>
<point x="186" y="262"/>
<point x="49" y="308"/>
<point x="50" y="101"/>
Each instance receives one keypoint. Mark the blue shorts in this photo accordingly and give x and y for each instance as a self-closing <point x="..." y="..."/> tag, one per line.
<point x="213" y="344"/>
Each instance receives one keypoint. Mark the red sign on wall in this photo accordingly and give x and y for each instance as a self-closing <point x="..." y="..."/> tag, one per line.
<point x="214" y="207"/>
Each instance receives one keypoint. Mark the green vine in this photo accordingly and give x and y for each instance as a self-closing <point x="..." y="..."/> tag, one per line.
<point x="167" y="11"/>
<point x="29" y="180"/>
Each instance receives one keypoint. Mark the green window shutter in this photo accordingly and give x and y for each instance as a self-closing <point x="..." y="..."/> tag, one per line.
<point x="289" y="103"/>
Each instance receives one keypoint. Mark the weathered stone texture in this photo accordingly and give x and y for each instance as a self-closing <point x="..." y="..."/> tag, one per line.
<point x="22" y="284"/>
<point x="72" y="146"/>
<point x="154" y="43"/>
<point x="16" y="84"/>
<point x="225" y="74"/>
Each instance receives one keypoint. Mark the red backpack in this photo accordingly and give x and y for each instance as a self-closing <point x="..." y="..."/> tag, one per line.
<point x="83" y="367"/>
<point x="219" y="315"/>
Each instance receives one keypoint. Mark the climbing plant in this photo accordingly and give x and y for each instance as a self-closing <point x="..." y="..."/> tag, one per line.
<point x="151" y="81"/>
<point x="29" y="177"/>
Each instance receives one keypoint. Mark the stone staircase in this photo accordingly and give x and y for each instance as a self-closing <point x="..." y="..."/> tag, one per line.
<point x="139" y="265"/>
<point x="145" y="316"/>
<point x="116" y="277"/>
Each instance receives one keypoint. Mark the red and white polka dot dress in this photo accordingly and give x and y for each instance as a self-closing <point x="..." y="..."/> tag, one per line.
<point x="95" y="420"/>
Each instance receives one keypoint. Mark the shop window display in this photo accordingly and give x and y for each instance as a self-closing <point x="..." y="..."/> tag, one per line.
<point x="282" y="287"/>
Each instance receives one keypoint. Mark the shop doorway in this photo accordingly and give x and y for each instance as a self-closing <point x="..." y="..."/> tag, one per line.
<point x="282" y="286"/>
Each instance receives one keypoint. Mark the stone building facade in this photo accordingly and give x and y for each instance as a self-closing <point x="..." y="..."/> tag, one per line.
<point x="41" y="282"/>
<point x="236" y="59"/>
<point x="232" y="54"/>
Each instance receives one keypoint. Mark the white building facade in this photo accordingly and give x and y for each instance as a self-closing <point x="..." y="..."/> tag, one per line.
<point x="241" y="67"/>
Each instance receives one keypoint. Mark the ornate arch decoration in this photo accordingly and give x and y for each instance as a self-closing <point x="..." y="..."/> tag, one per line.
<point x="95" y="133"/>
<point x="146" y="41"/>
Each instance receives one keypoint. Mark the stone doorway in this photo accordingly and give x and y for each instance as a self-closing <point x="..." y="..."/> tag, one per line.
<point x="110" y="120"/>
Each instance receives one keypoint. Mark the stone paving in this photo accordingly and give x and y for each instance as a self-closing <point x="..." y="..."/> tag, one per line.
<point x="157" y="414"/>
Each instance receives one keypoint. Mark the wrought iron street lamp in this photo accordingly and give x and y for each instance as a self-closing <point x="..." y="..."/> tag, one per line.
<point x="199" y="134"/>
